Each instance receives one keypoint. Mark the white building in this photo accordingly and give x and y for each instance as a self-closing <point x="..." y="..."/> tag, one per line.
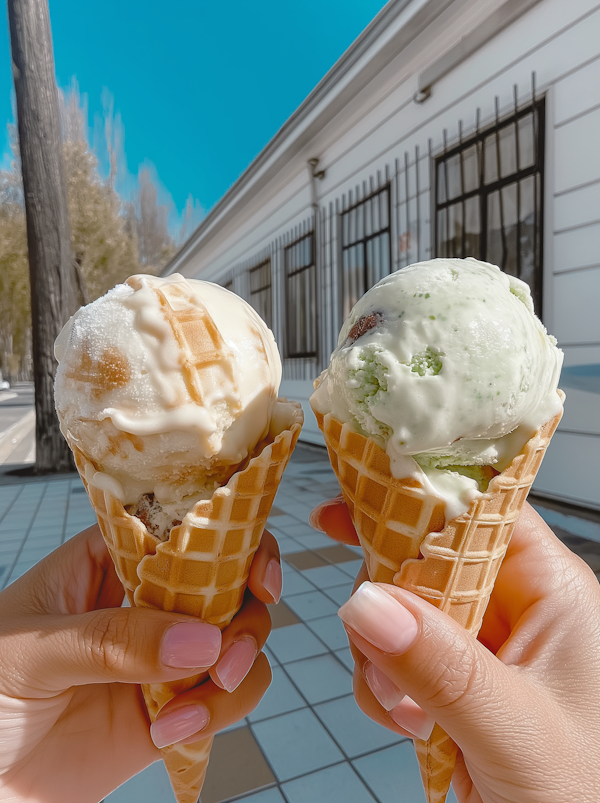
<point x="449" y="127"/>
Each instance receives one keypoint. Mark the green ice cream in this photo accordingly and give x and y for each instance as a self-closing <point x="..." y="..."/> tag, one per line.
<point x="445" y="364"/>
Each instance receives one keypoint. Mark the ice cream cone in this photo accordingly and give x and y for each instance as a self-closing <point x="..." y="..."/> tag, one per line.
<point x="407" y="542"/>
<point x="201" y="570"/>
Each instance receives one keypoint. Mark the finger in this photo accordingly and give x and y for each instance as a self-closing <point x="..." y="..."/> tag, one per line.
<point x="207" y="709"/>
<point x="242" y="641"/>
<point x="441" y="667"/>
<point x="43" y="654"/>
<point x="333" y="519"/>
<point x="265" y="579"/>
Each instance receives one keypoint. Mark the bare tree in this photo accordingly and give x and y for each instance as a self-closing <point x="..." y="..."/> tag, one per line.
<point x="51" y="267"/>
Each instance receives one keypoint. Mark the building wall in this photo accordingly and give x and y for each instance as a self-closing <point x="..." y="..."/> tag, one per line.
<point x="383" y="134"/>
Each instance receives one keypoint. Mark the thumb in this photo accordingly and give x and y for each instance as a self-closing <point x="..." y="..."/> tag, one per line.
<point x="46" y="654"/>
<point x="434" y="661"/>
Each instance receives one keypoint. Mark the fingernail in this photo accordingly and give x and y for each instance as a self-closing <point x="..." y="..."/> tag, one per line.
<point x="385" y="692"/>
<point x="236" y="663"/>
<point x="190" y="644"/>
<point x="412" y="718"/>
<point x="315" y="514"/>
<point x="273" y="579"/>
<point x="179" y="724"/>
<point x="380" y="619"/>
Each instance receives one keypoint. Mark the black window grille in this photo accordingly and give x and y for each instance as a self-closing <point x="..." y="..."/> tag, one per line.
<point x="228" y="284"/>
<point x="260" y="291"/>
<point x="489" y="196"/>
<point x="301" y="297"/>
<point x="366" y="254"/>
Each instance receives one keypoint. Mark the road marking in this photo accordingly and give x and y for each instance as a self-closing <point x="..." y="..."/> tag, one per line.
<point x="12" y="437"/>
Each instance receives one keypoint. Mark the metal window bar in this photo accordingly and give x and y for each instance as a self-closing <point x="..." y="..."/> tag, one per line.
<point x="260" y="278"/>
<point x="365" y="242"/>
<point x="300" y="296"/>
<point x="508" y="193"/>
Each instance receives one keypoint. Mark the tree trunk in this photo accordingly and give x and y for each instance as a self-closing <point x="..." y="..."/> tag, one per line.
<point x="53" y="279"/>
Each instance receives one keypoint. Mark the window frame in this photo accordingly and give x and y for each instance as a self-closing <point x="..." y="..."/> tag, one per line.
<point x="267" y="261"/>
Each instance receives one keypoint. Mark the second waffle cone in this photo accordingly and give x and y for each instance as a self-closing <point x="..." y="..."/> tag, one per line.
<point x="407" y="542"/>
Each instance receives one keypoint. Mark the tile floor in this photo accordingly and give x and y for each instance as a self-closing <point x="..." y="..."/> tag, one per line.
<point x="307" y="740"/>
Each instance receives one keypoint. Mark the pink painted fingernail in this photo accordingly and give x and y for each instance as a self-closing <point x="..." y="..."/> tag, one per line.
<point x="190" y="645"/>
<point x="413" y="719"/>
<point x="380" y="619"/>
<point x="273" y="579"/>
<point x="385" y="692"/>
<point x="180" y="724"/>
<point x="236" y="663"/>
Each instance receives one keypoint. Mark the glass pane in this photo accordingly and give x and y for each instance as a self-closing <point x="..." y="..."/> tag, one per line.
<point x="471" y="168"/>
<point x="383" y="209"/>
<point x="453" y="177"/>
<point x="442" y="195"/>
<point x="508" y="150"/>
<point x="472" y="227"/>
<point x="502" y="229"/>
<point x="353" y="277"/>
<point x="442" y="236"/>
<point x="491" y="159"/>
<point x="527" y="244"/>
<point x="526" y="142"/>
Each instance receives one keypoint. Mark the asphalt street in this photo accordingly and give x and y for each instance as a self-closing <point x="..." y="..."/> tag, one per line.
<point x="17" y="425"/>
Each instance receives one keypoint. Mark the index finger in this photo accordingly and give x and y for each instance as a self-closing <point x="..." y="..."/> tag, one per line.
<point x="333" y="519"/>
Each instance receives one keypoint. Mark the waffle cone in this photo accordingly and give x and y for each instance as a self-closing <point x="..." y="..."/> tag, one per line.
<point x="201" y="570"/>
<point x="407" y="542"/>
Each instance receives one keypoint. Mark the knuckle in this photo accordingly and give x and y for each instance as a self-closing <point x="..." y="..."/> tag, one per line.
<point x="107" y="639"/>
<point x="455" y="683"/>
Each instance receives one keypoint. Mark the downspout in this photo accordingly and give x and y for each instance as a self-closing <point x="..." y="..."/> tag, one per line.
<point x="314" y="173"/>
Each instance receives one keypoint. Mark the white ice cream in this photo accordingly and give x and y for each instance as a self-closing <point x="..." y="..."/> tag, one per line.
<point x="445" y="364"/>
<point x="152" y="414"/>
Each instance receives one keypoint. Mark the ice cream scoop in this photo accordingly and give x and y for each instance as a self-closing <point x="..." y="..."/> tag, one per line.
<point x="446" y="366"/>
<point x="166" y="385"/>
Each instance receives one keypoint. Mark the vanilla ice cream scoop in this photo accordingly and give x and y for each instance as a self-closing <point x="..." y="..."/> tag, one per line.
<point x="167" y="385"/>
<point x="444" y="361"/>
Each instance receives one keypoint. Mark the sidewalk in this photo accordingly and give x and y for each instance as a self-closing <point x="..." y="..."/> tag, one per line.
<point x="307" y="740"/>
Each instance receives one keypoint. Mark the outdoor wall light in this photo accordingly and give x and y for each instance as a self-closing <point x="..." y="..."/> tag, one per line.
<point x="314" y="164"/>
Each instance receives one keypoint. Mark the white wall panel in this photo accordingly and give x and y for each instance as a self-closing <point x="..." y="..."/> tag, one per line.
<point x="582" y="412"/>
<point x="576" y="318"/>
<point x="577" y="92"/>
<point x="577" y="207"/>
<point x="577" y="248"/>
<point x="577" y="152"/>
<point x="568" y="470"/>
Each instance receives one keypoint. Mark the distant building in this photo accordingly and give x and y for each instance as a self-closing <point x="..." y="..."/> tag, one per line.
<point x="449" y="127"/>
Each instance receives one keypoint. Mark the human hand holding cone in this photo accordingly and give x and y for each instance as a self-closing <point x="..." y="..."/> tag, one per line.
<point x="167" y="394"/>
<point x="445" y="361"/>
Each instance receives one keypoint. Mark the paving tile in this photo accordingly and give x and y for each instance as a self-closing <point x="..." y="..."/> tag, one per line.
<point x="345" y="656"/>
<point x="355" y="733"/>
<point x="280" y="698"/>
<point x="331" y="631"/>
<point x="272" y="795"/>
<point x="286" y="545"/>
<point x="340" y="594"/>
<point x="392" y="769"/>
<point x="295" y="583"/>
<point x="326" y="576"/>
<point x="337" y="784"/>
<point x="313" y="541"/>
<point x="295" y="642"/>
<point x="320" y="678"/>
<point x="271" y="656"/>
<point x="312" y="605"/>
<point x="351" y="568"/>
<point x="299" y="530"/>
<point x="237" y="766"/>
<point x="337" y="554"/>
<point x="281" y="615"/>
<point x="305" y="559"/>
<point x="296" y="743"/>
<point x="148" y="786"/>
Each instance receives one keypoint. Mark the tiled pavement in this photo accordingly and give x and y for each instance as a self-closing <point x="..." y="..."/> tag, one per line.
<point x="307" y="741"/>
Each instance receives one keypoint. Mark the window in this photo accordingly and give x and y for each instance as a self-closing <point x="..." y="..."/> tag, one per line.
<point x="366" y="254"/>
<point x="228" y="284"/>
<point x="489" y="197"/>
<point x="260" y="291"/>
<point x="301" y="297"/>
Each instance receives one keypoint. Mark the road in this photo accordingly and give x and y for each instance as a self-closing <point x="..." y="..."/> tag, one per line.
<point x="17" y="425"/>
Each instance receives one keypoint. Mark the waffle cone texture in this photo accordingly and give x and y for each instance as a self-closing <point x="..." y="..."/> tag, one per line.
<point x="407" y="542"/>
<point x="201" y="570"/>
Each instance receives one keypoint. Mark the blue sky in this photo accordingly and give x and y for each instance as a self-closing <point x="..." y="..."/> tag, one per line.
<point x="200" y="86"/>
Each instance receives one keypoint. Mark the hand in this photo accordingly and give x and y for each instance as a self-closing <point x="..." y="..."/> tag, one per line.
<point x="522" y="701"/>
<point x="73" y="723"/>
